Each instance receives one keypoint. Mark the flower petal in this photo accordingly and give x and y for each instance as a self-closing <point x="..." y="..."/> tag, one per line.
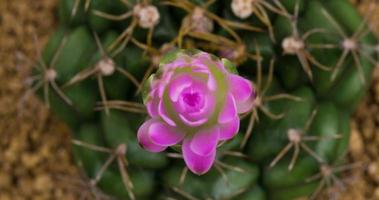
<point x="178" y="85"/>
<point x="196" y="163"/>
<point x="229" y="129"/>
<point x="204" y="142"/>
<point x="179" y="62"/>
<point x="144" y="137"/>
<point x="229" y="110"/>
<point x="201" y="65"/>
<point x="204" y="105"/>
<point x="164" y="135"/>
<point x="206" y="110"/>
<point x="163" y="114"/>
<point x="152" y="105"/>
<point x="245" y="106"/>
<point x="241" y="88"/>
<point x="212" y="85"/>
<point x="193" y="123"/>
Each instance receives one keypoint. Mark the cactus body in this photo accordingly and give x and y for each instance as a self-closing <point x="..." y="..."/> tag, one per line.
<point x="299" y="123"/>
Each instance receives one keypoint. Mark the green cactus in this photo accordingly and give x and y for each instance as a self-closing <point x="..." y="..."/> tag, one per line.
<point x="310" y="62"/>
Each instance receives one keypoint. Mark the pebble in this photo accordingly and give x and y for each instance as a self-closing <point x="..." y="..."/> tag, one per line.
<point x="373" y="171"/>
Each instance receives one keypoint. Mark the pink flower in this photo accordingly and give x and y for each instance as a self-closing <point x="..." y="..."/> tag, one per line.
<point x="194" y="100"/>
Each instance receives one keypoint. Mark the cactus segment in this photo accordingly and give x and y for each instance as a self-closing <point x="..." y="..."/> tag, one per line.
<point x="282" y="77"/>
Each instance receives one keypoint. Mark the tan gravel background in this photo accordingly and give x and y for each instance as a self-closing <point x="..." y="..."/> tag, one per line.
<point x="35" y="160"/>
<point x="34" y="147"/>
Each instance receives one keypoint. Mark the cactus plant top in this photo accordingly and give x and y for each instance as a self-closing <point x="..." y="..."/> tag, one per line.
<point x="254" y="95"/>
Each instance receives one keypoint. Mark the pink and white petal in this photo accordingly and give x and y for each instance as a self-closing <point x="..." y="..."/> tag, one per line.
<point x="196" y="163"/>
<point x="160" y="88"/>
<point x="202" y="57"/>
<point x="152" y="106"/>
<point x="179" y="106"/>
<point x="163" y="81"/>
<point x="200" y="86"/>
<point x="144" y="137"/>
<point x="206" y="110"/>
<point x="199" y="66"/>
<point x="221" y="66"/>
<point x="192" y="123"/>
<point x="207" y="58"/>
<point x="211" y="82"/>
<point x="201" y="63"/>
<point x="164" y="135"/>
<point x="241" y="88"/>
<point x="245" y="106"/>
<point x="157" y="88"/>
<point x="205" y="141"/>
<point x="229" y="110"/>
<point x="212" y="85"/>
<point x="163" y="114"/>
<point x="177" y="86"/>
<point x="176" y="64"/>
<point x="229" y="129"/>
<point x="205" y="104"/>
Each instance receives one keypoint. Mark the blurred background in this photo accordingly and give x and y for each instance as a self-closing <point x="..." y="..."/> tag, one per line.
<point x="35" y="160"/>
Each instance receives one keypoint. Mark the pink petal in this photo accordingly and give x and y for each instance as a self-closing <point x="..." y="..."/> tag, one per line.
<point x="221" y="66"/>
<point x="242" y="89"/>
<point x="229" y="129"/>
<point x="212" y="85"/>
<point x="196" y="118"/>
<point x="245" y="106"/>
<point x="211" y="82"/>
<point x="206" y="110"/>
<point x="152" y="105"/>
<point x="176" y="64"/>
<point x="179" y="106"/>
<point x="163" y="81"/>
<point x="199" y="66"/>
<point x="204" y="107"/>
<point x="229" y="110"/>
<point x="178" y="85"/>
<point x="193" y="123"/>
<point x="164" y="135"/>
<point x="196" y="163"/>
<point x="163" y="114"/>
<point x="144" y="137"/>
<point x="201" y="62"/>
<point x="203" y="55"/>
<point x="204" y="142"/>
<point x="156" y="88"/>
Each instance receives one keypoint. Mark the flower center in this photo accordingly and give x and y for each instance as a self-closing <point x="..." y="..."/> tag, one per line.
<point x="192" y="99"/>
